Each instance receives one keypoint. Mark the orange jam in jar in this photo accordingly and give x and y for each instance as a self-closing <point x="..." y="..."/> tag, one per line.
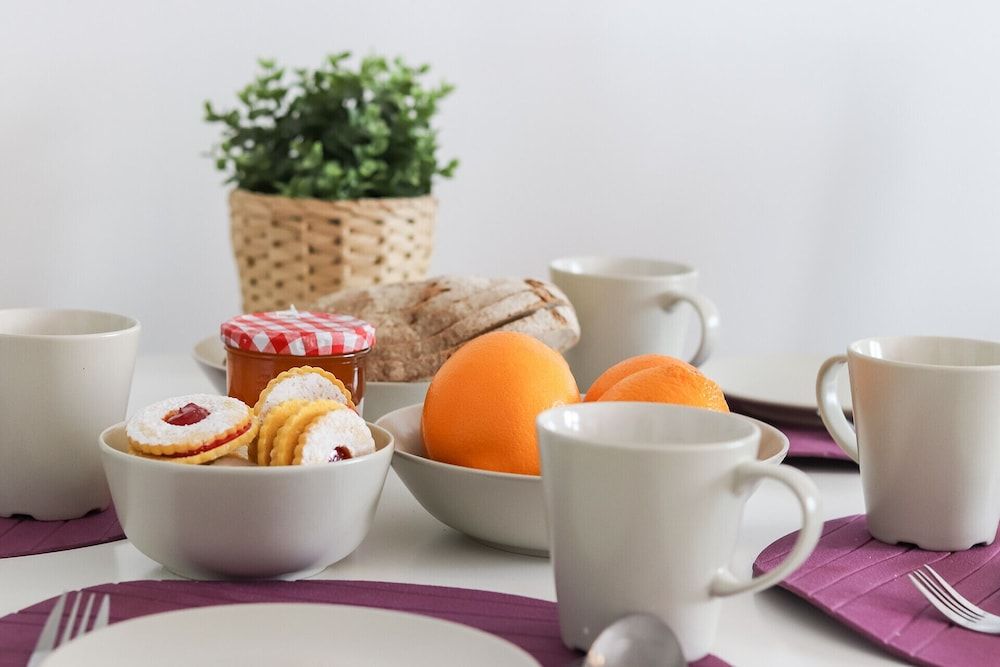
<point x="259" y="346"/>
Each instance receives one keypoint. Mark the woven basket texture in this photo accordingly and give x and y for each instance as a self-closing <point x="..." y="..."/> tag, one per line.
<point x="293" y="251"/>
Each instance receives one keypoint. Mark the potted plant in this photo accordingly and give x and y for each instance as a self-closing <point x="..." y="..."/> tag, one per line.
<point x="333" y="170"/>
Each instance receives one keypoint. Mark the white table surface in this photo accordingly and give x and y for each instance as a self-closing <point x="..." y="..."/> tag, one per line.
<point x="406" y="544"/>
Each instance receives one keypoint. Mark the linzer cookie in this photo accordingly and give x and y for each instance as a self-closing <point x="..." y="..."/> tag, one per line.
<point x="335" y="436"/>
<point x="197" y="428"/>
<point x="269" y="427"/>
<point x="303" y="382"/>
<point x="282" y="453"/>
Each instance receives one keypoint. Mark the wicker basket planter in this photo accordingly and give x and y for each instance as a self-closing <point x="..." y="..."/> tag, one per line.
<point x="292" y="251"/>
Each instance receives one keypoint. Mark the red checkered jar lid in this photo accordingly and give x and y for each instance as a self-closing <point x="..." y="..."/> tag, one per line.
<point x="298" y="333"/>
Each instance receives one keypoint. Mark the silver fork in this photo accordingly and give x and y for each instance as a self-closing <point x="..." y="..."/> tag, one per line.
<point x="49" y="640"/>
<point x="953" y="604"/>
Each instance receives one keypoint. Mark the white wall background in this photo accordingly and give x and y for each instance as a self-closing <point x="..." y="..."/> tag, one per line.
<point x="832" y="167"/>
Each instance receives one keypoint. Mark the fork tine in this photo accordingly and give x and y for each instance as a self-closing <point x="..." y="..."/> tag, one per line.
<point x="47" y="640"/>
<point x="103" y="614"/>
<point x="67" y="633"/>
<point x="939" y="605"/>
<point x="82" y="628"/>
<point x="942" y="595"/>
<point x="958" y="597"/>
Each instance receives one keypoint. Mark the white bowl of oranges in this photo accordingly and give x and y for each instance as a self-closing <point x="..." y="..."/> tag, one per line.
<point x="469" y="453"/>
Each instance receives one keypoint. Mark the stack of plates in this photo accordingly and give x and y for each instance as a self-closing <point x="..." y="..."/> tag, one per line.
<point x="775" y="388"/>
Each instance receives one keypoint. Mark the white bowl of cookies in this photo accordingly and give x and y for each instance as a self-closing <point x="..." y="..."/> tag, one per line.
<point x="189" y="497"/>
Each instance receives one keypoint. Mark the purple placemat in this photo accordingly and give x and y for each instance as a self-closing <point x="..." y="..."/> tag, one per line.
<point x="861" y="582"/>
<point x="805" y="442"/>
<point x="531" y="624"/>
<point x="26" y="537"/>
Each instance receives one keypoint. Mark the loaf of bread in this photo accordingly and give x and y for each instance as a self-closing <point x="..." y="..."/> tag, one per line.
<point x="419" y="325"/>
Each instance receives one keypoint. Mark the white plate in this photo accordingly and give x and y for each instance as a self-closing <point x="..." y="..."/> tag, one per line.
<point x="289" y="634"/>
<point x="786" y="380"/>
<point x="211" y="353"/>
<point x="211" y="357"/>
<point x="380" y="397"/>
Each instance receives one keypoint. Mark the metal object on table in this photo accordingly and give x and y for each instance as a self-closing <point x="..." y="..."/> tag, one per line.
<point x="49" y="639"/>
<point x="636" y="640"/>
<point x="952" y="604"/>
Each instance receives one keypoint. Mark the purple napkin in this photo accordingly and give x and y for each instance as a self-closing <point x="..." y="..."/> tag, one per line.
<point x="811" y="443"/>
<point x="26" y="537"/>
<point x="531" y="624"/>
<point x="861" y="582"/>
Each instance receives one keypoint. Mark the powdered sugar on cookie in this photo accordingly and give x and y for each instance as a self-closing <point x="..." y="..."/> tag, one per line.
<point x="309" y="386"/>
<point x="149" y="428"/>
<point x="330" y="436"/>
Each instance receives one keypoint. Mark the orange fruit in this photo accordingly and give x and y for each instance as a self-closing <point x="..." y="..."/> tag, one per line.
<point x="623" y="369"/>
<point x="481" y="405"/>
<point x="680" y="384"/>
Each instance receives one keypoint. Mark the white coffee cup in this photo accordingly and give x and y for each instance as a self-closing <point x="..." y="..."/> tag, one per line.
<point x="627" y="307"/>
<point x="644" y="503"/>
<point x="927" y="414"/>
<point x="66" y="376"/>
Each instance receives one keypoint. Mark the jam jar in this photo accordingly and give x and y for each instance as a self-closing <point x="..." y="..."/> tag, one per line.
<point x="259" y="346"/>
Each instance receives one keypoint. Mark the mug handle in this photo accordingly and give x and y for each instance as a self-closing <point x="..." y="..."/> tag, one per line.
<point x="725" y="582"/>
<point x="830" y="410"/>
<point x="708" y="314"/>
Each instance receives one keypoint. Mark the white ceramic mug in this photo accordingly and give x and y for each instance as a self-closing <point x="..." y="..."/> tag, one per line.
<point x="644" y="503"/>
<point x="927" y="420"/>
<point x="627" y="307"/>
<point x="66" y="375"/>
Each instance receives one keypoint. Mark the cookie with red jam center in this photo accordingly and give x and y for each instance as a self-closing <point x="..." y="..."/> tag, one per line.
<point x="196" y="428"/>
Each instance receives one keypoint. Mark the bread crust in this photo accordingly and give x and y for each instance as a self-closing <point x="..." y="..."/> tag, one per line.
<point x="420" y="325"/>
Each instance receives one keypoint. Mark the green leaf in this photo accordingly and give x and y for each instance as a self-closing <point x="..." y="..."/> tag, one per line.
<point x="335" y="132"/>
